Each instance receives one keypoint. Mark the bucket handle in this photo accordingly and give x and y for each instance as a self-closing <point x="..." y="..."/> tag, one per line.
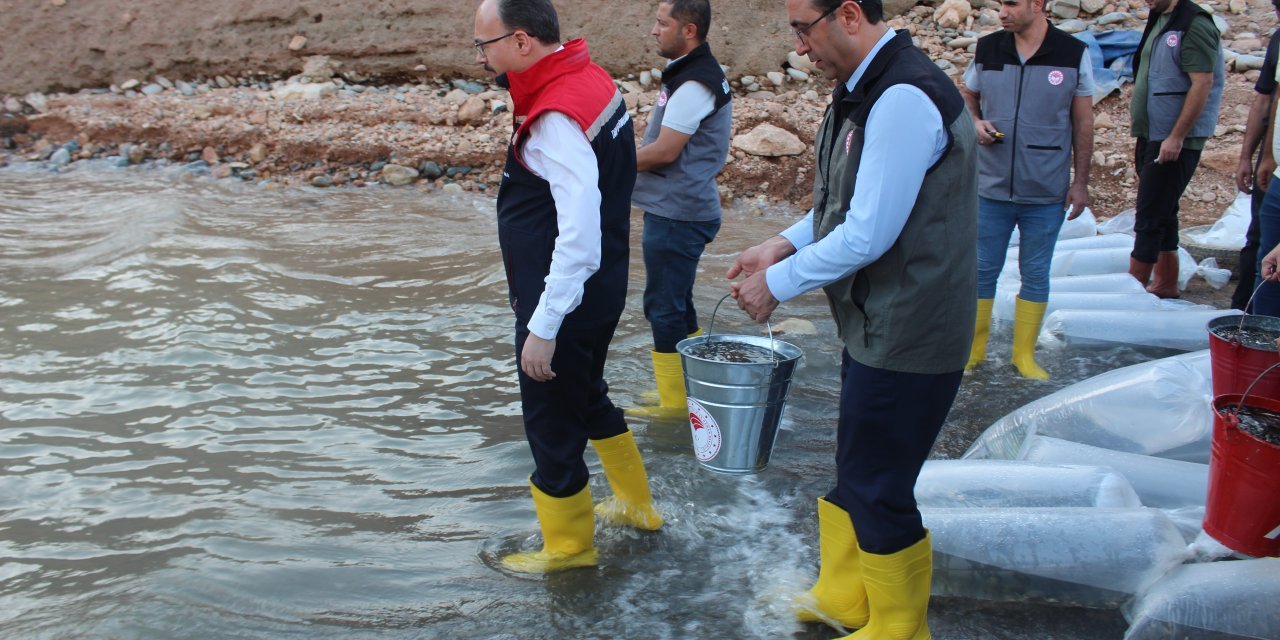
<point x="1248" y="305"/>
<point x="773" y="346"/>
<point x="1250" y="387"/>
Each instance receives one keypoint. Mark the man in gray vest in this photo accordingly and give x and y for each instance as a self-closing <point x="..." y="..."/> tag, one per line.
<point x="891" y="239"/>
<point x="684" y="148"/>
<point x="1177" y="89"/>
<point x="1029" y="90"/>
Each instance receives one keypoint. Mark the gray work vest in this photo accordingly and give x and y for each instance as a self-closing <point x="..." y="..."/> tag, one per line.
<point x="1030" y="103"/>
<point x="912" y="310"/>
<point x="686" y="189"/>
<point x="1167" y="83"/>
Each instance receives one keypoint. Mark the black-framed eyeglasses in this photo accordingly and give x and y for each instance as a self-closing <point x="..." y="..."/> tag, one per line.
<point x="803" y="32"/>
<point x="480" y="45"/>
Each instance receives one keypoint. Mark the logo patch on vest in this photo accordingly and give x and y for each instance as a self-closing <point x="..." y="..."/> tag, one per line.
<point x="706" y="432"/>
<point x="1172" y="40"/>
<point x="662" y="98"/>
<point x="1055" y="77"/>
<point x="848" y="142"/>
<point x="724" y="84"/>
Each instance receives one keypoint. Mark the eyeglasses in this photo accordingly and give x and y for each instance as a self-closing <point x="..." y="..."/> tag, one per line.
<point x="480" y="45"/>
<point x="803" y="32"/>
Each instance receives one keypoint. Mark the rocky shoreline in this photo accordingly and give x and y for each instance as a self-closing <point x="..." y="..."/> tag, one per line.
<point x="330" y="127"/>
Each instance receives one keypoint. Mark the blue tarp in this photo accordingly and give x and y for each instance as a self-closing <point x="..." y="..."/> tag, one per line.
<point x="1112" y="55"/>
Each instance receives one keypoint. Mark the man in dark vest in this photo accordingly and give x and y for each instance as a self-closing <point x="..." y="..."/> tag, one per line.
<point x="684" y="148"/>
<point x="563" y="222"/>
<point x="1256" y="130"/>
<point x="1177" y="89"/>
<point x="1029" y="90"/>
<point x="891" y="239"/>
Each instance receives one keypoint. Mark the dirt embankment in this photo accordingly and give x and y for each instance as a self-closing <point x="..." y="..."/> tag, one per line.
<point x="204" y="84"/>
<point x="53" y="45"/>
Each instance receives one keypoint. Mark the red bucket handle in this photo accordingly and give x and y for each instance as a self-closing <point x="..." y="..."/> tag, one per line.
<point x="1230" y="416"/>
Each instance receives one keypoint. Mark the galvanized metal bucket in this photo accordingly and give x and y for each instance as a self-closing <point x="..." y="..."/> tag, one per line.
<point x="735" y="407"/>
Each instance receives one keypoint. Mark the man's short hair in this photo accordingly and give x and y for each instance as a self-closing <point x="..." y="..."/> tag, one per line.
<point x="534" y="17"/>
<point x="872" y="9"/>
<point x="695" y="12"/>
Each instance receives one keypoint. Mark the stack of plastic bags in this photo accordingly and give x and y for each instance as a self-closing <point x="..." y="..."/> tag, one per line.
<point x="1108" y="511"/>
<point x="1093" y="300"/>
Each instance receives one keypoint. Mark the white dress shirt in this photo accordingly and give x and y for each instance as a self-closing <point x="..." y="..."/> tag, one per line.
<point x="904" y="137"/>
<point x="558" y="152"/>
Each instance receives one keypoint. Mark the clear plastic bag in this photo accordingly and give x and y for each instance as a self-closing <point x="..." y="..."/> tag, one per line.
<point x="1181" y="329"/>
<point x="1148" y="408"/>
<point x="1228" y="600"/>
<point x="1005" y="302"/>
<point x="1083" y="226"/>
<point x="1229" y="230"/>
<point x="956" y="484"/>
<point x="1119" y="223"/>
<point x="1159" y="482"/>
<point x="1070" y="556"/>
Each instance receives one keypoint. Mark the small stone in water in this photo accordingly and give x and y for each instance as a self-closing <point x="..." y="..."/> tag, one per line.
<point x="730" y="351"/>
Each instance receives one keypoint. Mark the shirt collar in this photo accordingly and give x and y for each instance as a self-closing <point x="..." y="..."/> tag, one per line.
<point x="866" y="62"/>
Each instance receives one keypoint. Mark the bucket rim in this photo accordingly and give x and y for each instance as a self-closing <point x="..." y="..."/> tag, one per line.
<point x="1250" y="320"/>
<point x="1258" y="402"/>
<point x="778" y="347"/>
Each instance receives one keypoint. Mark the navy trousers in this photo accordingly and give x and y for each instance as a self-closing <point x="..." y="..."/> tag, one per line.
<point x="888" y="423"/>
<point x="562" y="414"/>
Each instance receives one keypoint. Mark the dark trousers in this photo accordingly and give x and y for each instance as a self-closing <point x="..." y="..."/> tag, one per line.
<point x="1247" y="265"/>
<point x="1267" y="301"/>
<point x="888" y="422"/>
<point x="562" y="414"/>
<point x="1160" y="187"/>
<point x="672" y="249"/>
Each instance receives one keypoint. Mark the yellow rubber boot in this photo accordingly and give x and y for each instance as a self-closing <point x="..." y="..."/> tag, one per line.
<point x="839" y="594"/>
<point x="981" y="329"/>
<point x="1027" y="317"/>
<point x="668" y="373"/>
<point x="898" y="592"/>
<point x="631" y="504"/>
<point x="568" y="529"/>
<point x="651" y="396"/>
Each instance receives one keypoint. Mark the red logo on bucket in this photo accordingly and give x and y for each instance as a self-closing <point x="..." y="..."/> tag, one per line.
<point x="706" y="433"/>
<point x="1172" y="40"/>
<point x="1055" y="77"/>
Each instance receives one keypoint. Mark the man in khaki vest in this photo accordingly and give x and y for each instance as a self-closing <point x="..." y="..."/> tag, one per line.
<point x="891" y="239"/>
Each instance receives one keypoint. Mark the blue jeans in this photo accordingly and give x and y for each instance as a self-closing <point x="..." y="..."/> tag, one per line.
<point x="1267" y="301"/>
<point x="1038" y="226"/>
<point x="671" y="252"/>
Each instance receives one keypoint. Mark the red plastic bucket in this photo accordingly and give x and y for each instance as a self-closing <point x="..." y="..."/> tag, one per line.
<point x="1242" y="510"/>
<point x="1235" y="366"/>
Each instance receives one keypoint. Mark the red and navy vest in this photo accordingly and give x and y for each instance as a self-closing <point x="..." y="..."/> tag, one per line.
<point x="568" y="82"/>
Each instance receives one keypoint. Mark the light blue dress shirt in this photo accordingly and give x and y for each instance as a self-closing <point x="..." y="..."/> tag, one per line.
<point x="904" y="137"/>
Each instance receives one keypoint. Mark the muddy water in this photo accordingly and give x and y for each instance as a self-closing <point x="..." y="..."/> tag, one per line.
<point x="235" y="412"/>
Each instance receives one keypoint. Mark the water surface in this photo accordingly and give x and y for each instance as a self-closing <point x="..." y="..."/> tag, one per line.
<point x="228" y="411"/>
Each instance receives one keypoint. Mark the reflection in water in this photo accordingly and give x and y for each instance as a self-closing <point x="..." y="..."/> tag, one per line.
<point x="229" y="412"/>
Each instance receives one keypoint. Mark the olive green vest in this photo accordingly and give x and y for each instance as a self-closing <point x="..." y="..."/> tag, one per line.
<point x="912" y="310"/>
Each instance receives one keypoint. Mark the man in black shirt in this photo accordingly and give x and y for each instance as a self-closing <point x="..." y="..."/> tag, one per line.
<point x="1246" y="178"/>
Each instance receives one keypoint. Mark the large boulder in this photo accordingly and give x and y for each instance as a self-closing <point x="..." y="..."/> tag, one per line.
<point x="768" y="140"/>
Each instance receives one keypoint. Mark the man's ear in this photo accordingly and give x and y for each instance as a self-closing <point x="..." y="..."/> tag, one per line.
<point x="851" y="17"/>
<point x="690" y="31"/>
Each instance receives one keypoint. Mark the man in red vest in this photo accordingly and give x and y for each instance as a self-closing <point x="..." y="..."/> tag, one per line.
<point x="563" y="224"/>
